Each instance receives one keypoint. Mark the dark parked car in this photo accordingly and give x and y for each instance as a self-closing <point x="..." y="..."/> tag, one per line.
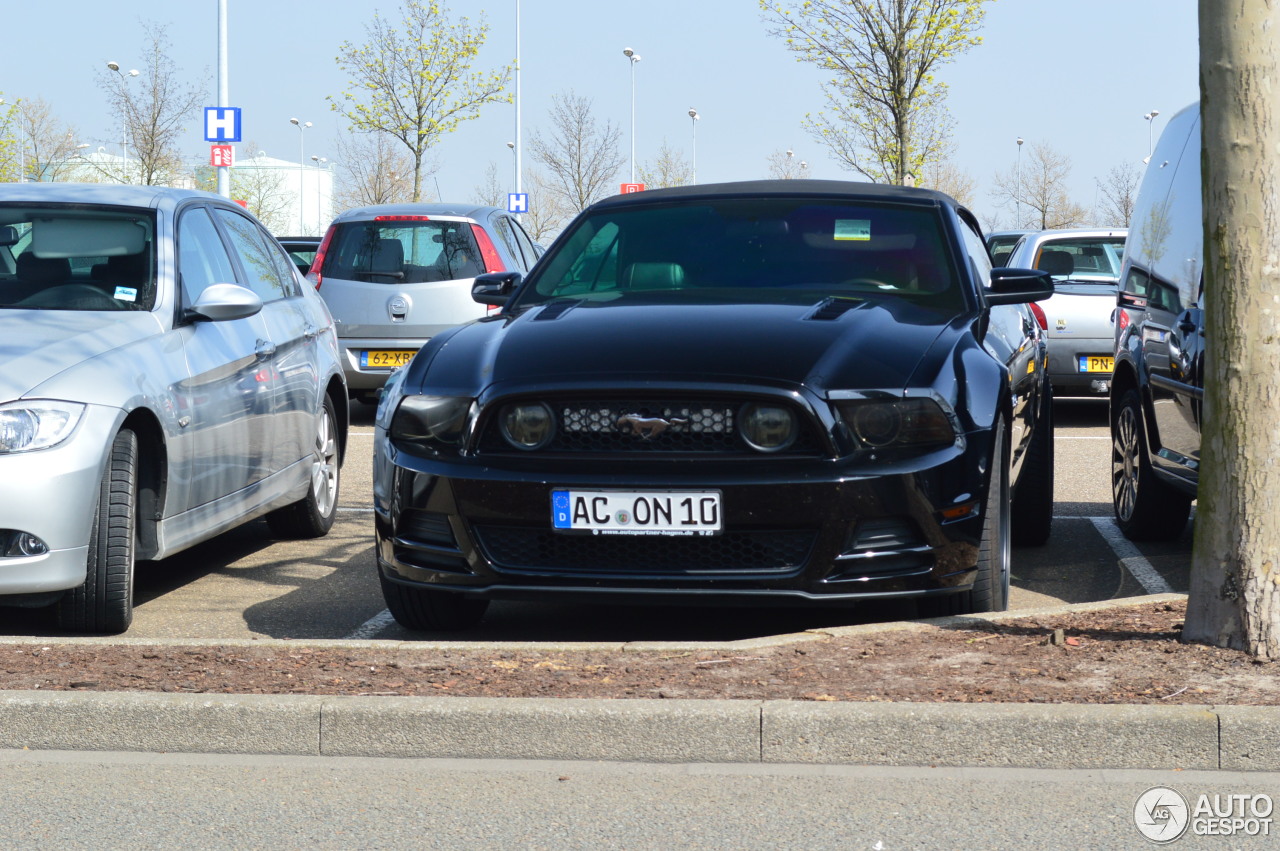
<point x="1157" y="389"/>
<point x="302" y="250"/>
<point x="773" y="392"/>
<point x="1000" y="245"/>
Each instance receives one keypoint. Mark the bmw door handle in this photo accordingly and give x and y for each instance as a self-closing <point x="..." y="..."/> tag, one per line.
<point x="265" y="349"/>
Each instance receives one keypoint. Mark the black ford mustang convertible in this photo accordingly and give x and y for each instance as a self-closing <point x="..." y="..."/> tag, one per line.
<point x="776" y="392"/>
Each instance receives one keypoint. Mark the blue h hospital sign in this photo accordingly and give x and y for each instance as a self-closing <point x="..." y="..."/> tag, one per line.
<point x="222" y="124"/>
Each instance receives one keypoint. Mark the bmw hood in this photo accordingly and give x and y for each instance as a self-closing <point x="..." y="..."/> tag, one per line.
<point x="36" y="345"/>
<point x="821" y="346"/>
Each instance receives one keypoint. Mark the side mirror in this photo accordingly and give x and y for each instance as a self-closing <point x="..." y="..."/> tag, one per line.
<point x="223" y="302"/>
<point x="494" y="288"/>
<point x="1018" y="286"/>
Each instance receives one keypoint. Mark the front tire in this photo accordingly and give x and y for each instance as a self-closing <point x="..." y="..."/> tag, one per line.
<point x="1146" y="508"/>
<point x="312" y="516"/>
<point x="104" y="603"/>
<point x="426" y="610"/>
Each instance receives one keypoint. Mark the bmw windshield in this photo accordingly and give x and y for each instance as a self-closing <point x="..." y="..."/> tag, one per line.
<point x="67" y="258"/>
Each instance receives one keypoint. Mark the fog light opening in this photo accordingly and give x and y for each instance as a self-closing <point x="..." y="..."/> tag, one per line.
<point x="528" y="426"/>
<point x="15" y="544"/>
<point x="767" y="428"/>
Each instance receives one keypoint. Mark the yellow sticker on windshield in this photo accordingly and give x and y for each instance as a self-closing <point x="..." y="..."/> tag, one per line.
<point x="854" y="229"/>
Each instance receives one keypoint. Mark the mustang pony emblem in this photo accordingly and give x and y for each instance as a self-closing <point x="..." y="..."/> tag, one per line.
<point x="647" y="428"/>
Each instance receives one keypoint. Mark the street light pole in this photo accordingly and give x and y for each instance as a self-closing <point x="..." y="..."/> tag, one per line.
<point x="124" y="127"/>
<point x="693" y="114"/>
<point x="224" y="93"/>
<point x="1151" y="119"/>
<point x="302" y="173"/>
<point x="633" y="58"/>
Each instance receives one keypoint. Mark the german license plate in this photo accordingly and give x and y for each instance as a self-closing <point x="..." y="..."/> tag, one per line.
<point x="647" y="512"/>
<point x="383" y="359"/>
<point x="1097" y="363"/>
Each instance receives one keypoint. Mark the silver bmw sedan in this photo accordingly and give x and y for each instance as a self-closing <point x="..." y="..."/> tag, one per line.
<point x="165" y="375"/>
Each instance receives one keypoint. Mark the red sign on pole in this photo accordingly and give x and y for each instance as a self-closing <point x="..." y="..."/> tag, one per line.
<point x="221" y="156"/>
<point x="632" y="187"/>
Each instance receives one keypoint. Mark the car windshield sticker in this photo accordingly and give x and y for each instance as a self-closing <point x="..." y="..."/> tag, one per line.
<point x="126" y="294"/>
<point x="853" y="229"/>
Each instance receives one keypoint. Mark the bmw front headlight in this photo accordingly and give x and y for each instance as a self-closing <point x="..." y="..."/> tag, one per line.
<point x="436" y="423"/>
<point x="914" y="424"/>
<point x="33" y="424"/>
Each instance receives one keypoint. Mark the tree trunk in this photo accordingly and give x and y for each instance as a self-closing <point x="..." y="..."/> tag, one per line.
<point x="1234" y="597"/>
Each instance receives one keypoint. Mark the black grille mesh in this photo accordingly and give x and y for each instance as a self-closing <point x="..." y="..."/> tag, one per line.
<point x="516" y="549"/>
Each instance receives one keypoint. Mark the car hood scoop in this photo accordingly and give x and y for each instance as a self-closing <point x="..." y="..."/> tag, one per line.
<point x="833" y="308"/>
<point x="555" y="309"/>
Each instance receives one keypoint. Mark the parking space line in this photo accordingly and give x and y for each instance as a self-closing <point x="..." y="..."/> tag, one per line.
<point x="1132" y="559"/>
<point x="372" y="626"/>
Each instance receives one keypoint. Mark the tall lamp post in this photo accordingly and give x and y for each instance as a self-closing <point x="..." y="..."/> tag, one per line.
<point x="320" y="166"/>
<point x="1017" y="182"/>
<point x="302" y="172"/>
<point x="1151" y="119"/>
<point x="633" y="58"/>
<point x="124" y="127"/>
<point x="693" y="115"/>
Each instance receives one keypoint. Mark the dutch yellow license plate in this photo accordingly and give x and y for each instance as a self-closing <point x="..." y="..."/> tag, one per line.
<point x="382" y="359"/>
<point x="1097" y="363"/>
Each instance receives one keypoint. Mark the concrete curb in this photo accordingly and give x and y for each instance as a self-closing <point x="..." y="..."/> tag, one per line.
<point x="1238" y="738"/>
<point x="669" y="731"/>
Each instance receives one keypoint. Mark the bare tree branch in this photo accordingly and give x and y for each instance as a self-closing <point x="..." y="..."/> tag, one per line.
<point x="581" y="158"/>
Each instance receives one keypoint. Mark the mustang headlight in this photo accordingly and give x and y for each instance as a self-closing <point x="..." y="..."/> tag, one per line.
<point x="37" y="424"/>
<point x="433" y="422"/>
<point x="527" y="425"/>
<point x="767" y="428"/>
<point x="914" y="424"/>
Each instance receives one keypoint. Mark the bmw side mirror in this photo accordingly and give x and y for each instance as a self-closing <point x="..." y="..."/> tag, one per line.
<point x="494" y="288"/>
<point x="1018" y="286"/>
<point x="223" y="302"/>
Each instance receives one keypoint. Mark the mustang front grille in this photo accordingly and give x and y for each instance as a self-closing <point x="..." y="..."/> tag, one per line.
<point x="649" y="426"/>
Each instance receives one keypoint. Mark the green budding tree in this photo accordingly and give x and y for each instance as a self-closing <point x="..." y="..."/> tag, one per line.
<point x="888" y="114"/>
<point x="414" y="82"/>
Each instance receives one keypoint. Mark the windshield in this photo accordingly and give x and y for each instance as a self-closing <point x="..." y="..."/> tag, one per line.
<point x="757" y="250"/>
<point x="62" y="258"/>
<point x="1087" y="259"/>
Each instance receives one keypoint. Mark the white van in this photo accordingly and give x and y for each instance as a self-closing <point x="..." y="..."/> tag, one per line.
<point x="1157" y="390"/>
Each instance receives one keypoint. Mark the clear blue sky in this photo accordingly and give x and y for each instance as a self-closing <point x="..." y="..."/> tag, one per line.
<point x="1077" y="74"/>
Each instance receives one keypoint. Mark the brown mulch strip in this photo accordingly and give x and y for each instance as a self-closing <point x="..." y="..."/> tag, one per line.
<point x="1121" y="655"/>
